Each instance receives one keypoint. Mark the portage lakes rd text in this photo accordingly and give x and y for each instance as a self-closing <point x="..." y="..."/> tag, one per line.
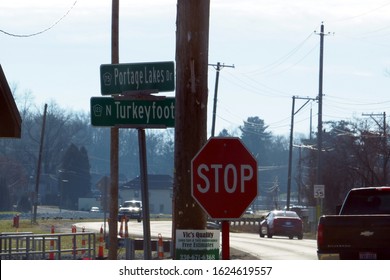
<point x="140" y="77"/>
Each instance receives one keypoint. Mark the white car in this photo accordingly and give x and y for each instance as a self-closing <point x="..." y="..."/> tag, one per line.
<point x="94" y="209"/>
<point x="249" y="211"/>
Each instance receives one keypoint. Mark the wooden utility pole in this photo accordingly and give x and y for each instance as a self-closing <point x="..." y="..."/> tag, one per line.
<point x="320" y="94"/>
<point x="36" y="193"/>
<point x="114" y="146"/>
<point x="319" y="136"/>
<point x="192" y="39"/>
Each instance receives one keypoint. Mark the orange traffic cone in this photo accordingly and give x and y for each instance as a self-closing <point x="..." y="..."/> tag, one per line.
<point x="51" y="254"/>
<point x="160" y="247"/>
<point x="100" y="251"/>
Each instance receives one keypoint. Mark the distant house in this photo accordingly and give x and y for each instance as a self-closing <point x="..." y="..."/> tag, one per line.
<point x="159" y="189"/>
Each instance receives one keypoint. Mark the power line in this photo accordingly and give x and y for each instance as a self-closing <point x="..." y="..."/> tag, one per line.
<point x="281" y="60"/>
<point x="40" y="32"/>
<point x="366" y="12"/>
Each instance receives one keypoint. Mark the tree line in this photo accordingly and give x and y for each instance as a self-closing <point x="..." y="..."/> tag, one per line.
<point x="76" y="155"/>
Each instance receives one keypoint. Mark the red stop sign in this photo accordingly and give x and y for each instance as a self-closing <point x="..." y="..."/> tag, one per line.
<point x="224" y="178"/>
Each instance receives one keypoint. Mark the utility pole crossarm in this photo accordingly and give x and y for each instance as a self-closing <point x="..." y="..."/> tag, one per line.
<point x="372" y="115"/>
<point x="308" y="99"/>
<point x="220" y="66"/>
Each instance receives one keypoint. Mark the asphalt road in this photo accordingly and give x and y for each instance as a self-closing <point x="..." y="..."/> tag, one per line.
<point x="276" y="248"/>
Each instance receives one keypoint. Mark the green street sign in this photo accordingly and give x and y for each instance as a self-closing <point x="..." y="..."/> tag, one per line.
<point x="108" y="111"/>
<point x="133" y="77"/>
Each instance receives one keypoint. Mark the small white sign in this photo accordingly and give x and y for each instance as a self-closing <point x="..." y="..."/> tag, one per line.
<point x="197" y="244"/>
<point x="319" y="191"/>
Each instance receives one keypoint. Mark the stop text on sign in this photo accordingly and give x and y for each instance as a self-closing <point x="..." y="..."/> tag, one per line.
<point x="230" y="175"/>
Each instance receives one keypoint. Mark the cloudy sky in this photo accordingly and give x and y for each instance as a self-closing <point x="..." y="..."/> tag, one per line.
<point x="54" y="50"/>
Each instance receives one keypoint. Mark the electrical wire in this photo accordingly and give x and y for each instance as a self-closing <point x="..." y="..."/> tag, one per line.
<point x="254" y="88"/>
<point x="42" y="31"/>
<point x="299" y="61"/>
<point x="281" y="60"/>
<point x="366" y="12"/>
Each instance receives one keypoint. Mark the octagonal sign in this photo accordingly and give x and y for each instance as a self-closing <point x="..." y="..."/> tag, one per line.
<point x="224" y="178"/>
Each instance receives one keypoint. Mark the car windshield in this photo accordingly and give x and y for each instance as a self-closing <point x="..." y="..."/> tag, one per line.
<point x="286" y="214"/>
<point x="132" y="204"/>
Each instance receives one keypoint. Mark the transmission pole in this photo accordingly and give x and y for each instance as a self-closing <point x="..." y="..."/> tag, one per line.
<point x="320" y="95"/>
<point x="218" y="67"/>
<point x="319" y="136"/>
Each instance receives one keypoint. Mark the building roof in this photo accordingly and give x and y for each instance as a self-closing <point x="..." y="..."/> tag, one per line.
<point x="10" y="120"/>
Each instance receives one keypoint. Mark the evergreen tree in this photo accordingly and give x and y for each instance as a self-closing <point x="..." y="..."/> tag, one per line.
<point x="255" y="136"/>
<point x="224" y="133"/>
<point x="75" y="178"/>
<point x="270" y="152"/>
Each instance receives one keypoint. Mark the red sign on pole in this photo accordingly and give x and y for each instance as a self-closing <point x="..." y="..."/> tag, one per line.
<point x="224" y="178"/>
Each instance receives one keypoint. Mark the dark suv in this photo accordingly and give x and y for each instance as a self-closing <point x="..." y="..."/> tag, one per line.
<point x="131" y="209"/>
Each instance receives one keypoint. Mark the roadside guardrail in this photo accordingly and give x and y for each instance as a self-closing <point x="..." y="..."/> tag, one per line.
<point x="27" y="246"/>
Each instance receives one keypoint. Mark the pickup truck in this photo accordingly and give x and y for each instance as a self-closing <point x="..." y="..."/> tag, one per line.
<point x="361" y="230"/>
<point x="131" y="209"/>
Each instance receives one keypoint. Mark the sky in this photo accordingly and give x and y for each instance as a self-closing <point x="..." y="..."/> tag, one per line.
<point x="53" y="49"/>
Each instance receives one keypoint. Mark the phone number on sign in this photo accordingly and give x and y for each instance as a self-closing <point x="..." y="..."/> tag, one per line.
<point x="242" y="271"/>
